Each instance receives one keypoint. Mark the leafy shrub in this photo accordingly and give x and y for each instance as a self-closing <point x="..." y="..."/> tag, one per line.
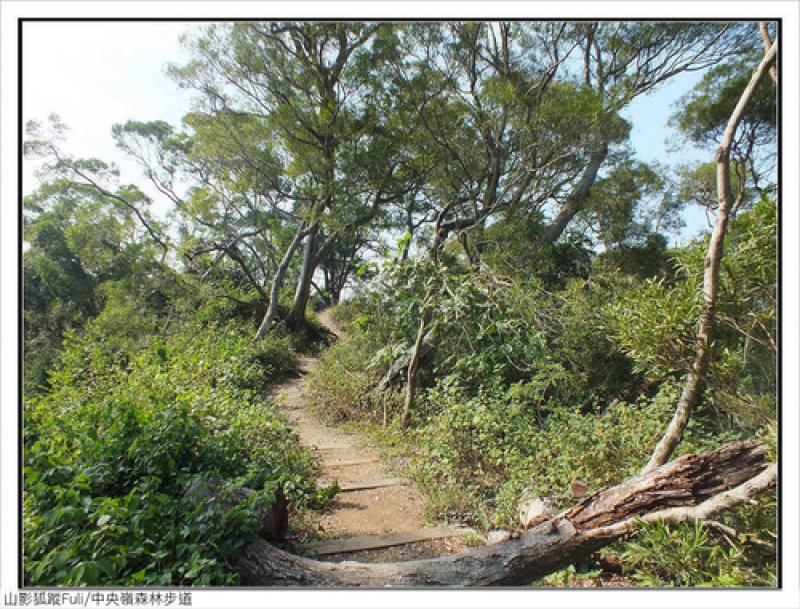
<point x="654" y="322"/>
<point x="537" y="383"/>
<point x="110" y="451"/>
<point x="341" y="383"/>
<point x="693" y="554"/>
<point x="498" y="444"/>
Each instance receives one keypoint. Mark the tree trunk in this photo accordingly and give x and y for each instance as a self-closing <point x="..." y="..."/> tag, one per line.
<point x="297" y="315"/>
<point x="773" y="72"/>
<point x="689" y="488"/>
<point x="277" y="283"/>
<point x="399" y="368"/>
<point x="413" y="369"/>
<point x="693" y="389"/>
<point x="580" y="193"/>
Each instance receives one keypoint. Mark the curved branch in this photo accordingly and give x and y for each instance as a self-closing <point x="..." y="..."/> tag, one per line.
<point x="116" y="197"/>
<point x="580" y="193"/>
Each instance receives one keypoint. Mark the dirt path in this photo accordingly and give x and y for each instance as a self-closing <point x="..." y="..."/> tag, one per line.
<point x="348" y="458"/>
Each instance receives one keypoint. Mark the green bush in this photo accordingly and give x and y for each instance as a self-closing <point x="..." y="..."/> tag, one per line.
<point x="341" y="383"/>
<point x="498" y="445"/>
<point x="538" y="383"/>
<point x="693" y="554"/>
<point x="111" y="449"/>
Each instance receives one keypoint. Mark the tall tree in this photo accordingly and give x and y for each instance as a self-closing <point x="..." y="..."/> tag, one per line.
<point x="516" y="129"/>
<point x="84" y="235"/>
<point x="308" y="84"/>
<point x="527" y="116"/>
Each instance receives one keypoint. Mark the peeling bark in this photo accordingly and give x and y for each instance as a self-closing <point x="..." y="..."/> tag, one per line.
<point x="694" y="486"/>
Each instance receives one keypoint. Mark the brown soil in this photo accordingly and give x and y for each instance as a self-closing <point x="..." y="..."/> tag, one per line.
<point x="347" y="457"/>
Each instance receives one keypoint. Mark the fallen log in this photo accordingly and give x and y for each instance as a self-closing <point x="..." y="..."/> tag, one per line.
<point x="375" y="542"/>
<point x="691" y="487"/>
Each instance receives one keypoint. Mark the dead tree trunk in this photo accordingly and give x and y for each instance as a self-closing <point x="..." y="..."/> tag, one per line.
<point x="693" y="387"/>
<point x="689" y="488"/>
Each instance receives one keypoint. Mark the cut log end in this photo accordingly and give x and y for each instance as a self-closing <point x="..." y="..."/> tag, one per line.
<point x="273" y="519"/>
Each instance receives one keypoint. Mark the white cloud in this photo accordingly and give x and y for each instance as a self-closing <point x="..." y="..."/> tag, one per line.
<point x="94" y="74"/>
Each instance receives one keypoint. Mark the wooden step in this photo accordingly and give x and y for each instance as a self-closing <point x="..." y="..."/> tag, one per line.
<point x="332" y="447"/>
<point x="369" y="484"/>
<point x="374" y="542"/>
<point x="349" y="463"/>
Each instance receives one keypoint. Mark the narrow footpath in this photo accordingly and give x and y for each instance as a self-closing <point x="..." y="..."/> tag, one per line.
<point x="378" y="516"/>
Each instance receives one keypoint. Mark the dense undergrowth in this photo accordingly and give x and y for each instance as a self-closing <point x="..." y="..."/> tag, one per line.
<point x="533" y="266"/>
<point x="541" y="378"/>
<point x="126" y="425"/>
<point x="536" y="385"/>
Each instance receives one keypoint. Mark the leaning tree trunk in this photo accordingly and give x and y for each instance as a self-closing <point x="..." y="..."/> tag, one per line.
<point x="399" y="368"/>
<point x="693" y="487"/>
<point x="580" y="194"/>
<point x="277" y="282"/>
<point x="414" y="366"/>
<point x="693" y="388"/>
<point x="297" y="314"/>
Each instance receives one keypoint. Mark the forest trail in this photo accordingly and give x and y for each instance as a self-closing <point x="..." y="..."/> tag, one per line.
<point x="375" y="502"/>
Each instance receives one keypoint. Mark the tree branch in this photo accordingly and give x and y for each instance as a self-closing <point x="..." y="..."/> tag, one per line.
<point x="773" y="72"/>
<point x="116" y="197"/>
<point x="693" y="388"/>
<point x="692" y="487"/>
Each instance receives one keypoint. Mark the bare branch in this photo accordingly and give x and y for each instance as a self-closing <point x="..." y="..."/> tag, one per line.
<point x="693" y="388"/>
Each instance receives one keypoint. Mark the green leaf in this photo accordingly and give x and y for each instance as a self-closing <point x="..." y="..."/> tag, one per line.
<point x="106" y="566"/>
